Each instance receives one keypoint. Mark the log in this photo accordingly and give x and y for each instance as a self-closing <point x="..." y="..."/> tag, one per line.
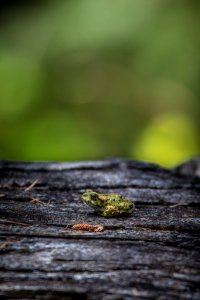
<point x="153" y="254"/>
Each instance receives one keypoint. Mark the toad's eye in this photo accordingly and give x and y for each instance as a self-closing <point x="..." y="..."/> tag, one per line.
<point x="93" y="196"/>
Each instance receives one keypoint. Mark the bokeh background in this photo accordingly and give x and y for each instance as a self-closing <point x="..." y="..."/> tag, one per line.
<point x="90" y="79"/>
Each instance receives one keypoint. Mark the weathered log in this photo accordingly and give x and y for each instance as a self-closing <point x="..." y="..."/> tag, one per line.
<point x="154" y="254"/>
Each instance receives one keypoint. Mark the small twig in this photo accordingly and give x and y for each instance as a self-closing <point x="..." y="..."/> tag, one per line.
<point x="6" y="243"/>
<point x="177" y="205"/>
<point x="13" y="222"/>
<point x="37" y="201"/>
<point x="31" y="186"/>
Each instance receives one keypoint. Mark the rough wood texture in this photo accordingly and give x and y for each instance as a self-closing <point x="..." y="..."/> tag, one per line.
<point x="153" y="254"/>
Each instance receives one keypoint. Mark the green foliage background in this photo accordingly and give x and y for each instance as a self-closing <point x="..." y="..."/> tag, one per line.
<point x="97" y="78"/>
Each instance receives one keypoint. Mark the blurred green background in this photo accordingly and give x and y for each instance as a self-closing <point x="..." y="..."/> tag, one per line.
<point x="90" y="79"/>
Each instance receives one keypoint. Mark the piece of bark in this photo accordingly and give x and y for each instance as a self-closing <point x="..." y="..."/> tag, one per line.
<point x="190" y="167"/>
<point x="154" y="254"/>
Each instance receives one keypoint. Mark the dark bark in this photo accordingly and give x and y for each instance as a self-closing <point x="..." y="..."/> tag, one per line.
<point x="154" y="254"/>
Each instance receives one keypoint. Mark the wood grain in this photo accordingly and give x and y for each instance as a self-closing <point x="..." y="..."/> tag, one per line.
<point x="154" y="254"/>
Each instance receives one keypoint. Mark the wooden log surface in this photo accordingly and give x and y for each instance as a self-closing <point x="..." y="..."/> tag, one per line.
<point x="154" y="254"/>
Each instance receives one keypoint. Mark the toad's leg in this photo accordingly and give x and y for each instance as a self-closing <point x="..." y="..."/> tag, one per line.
<point x="110" y="211"/>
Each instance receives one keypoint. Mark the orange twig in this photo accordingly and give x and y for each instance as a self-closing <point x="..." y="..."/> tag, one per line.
<point x="88" y="227"/>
